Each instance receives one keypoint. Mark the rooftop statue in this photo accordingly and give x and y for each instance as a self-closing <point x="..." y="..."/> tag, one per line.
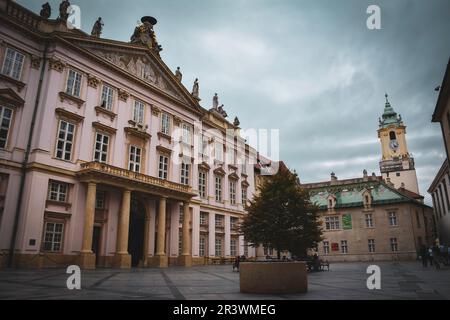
<point x="236" y="122"/>
<point x="215" y="101"/>
<point x="97" y="28"/>
<point x="46" y="11"/>
<point x="222" y="111"/>
<point x="63" y="14"/>
<point x="195" y="89"/>
<point x="178" y="74"/>
<point x="144" y="34"/>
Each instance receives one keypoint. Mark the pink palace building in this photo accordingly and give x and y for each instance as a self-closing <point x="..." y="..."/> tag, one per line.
<point x="106" y="159"/>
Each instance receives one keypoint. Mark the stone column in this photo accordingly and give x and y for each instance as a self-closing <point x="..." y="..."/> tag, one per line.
<point x="123" y="258"/>
<point x="161" y="257"/>
<point x="87" y="257"/>
<point x="145" y="248"/>
<point x="186" y="258"/>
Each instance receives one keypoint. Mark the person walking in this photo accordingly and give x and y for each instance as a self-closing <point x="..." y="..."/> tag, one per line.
<point x="424" y="255"/>
<point x="430" y="256"/>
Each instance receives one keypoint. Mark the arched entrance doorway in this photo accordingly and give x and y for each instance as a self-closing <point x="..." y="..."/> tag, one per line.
<point x="136" y="231"/>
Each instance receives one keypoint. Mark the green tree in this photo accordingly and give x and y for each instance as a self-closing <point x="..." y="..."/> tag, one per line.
<point x="281" y="216"/>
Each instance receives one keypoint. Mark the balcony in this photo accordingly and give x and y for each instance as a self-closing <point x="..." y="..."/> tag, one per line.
<point x="110" y="175"/>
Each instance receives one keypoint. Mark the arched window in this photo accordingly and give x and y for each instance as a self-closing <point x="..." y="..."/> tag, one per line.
<point x="392" y="135"/>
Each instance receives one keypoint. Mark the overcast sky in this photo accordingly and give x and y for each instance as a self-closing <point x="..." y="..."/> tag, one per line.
<point x="309" y="68"/>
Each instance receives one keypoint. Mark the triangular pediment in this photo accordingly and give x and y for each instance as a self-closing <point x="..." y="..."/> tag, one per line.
<point x="139" y="63"/>
<point x="10" y="97"/>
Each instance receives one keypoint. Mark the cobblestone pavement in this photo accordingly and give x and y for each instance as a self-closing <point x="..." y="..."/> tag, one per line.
<point x="406" y="280"/>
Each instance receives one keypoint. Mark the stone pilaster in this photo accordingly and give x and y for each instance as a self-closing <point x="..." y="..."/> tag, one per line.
<point x="87" y="257"/>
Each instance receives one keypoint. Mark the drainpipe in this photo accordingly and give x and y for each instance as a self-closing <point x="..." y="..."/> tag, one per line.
<point x="25" y="161"/>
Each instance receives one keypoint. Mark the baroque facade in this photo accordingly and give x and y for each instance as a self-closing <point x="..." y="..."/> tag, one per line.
<point x="375" y="217"/>
<point x="440" y="187"/>
<point x="106" y="159"/>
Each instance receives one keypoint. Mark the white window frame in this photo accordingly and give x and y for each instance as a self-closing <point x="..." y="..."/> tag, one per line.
<point x="332" y="223"/>
<point x="138" y="112"/>
<point x="202" y="246"/>
<point x="234" y="223"/>
<point x="218" y="151"/>
<point x="58" y="191"/>
<point x="184" y="173"/>
<point x="244" y="196"/>
<point x="219" y="220"/>
<point x="202" y="184"/>
<point x="203" y="218"/>
<point x="163" y="167"/>
<point x="218" y="188"/>
<point x="7" y="128"/>
<point x="134" y="159"/>
<point x="344" y="246"/>
<point x="53" y="237"/>
<point x="371" y="245"/>
<point x="369" y="220"/>
<point x="107" y="97"/>
<point x="326" y="247"/>
<point x="165" y="123"/>
<point x="186" y="130"/>
<point x="394" y="244"/>
<point x="232" y="192"/>
<point x="233" y="247"/>
<point x="73" y="83"/>
<point x="218" y="246"/>
<point x="13" y="63"/>
<point x="65" y="141"/>
<point x="393" y="222"/>
<point x="99" y="151"/>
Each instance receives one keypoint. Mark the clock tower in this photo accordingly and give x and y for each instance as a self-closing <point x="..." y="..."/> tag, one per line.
<point x="396" y="162"/>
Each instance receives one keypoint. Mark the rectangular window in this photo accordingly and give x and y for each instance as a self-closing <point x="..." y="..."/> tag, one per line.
<point x="218" y="189"/>
<point x="203" y="218"/>
<point x="332" y="223"/>
<point x="394" y="245"/>
<point x="202" y="184"/>
<point x="371" y="243"/>
<point x="185" y="173"/>
<point x="326" y="247"/>
<point x="134" y="163"/>
<point x="5" y="118"/>
<point x="73" y="86"/>
<point x="101" y="147"/>
<point x="202" y="247"/>
<point x="53" y="236"/>
<point x="180" y="242"/>
<point x="233" y="192"/>
<point x="244" y="196"/>
<point x="246" y="248"/>
<point x="344" y="246"/>
<point x="13" y="64"/>
<point x="202" y="144"/>
<point x="64" y="144"/>
<point x="181" y="215"/>
<point x="218" y="151"/>
<point x="165" y="123"/>
<point x="138" y="112"/>
<point x="57" y="191"/>
<point x="369" y="220"/>
<point x="100" y="200"/>
<point x="186" y="130"/>
<point x="234" y="223"/>
<point x="219" y="219"/>
<point x="163" y="167"/>
<point x="392" y="219"/>
<point x="233" y="251"/>
<point x="218" y="248"/>
<point x="107" y="97"/>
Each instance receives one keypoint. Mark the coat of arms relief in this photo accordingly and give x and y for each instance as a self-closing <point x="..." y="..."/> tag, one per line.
<point x="140" y="67"/>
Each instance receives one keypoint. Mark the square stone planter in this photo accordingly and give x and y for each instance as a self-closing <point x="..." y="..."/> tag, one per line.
<point x="273" y="277"/>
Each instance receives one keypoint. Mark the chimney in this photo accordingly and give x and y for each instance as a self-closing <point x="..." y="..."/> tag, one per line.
<point x="365" y="176"/>
<point x="333" y="178"/>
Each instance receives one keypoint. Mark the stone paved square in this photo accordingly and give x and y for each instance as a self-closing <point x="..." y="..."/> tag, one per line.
<point x="344" y="281"/>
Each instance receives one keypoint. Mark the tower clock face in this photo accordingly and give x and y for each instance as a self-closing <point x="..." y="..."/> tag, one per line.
<point x="393" y="144"/>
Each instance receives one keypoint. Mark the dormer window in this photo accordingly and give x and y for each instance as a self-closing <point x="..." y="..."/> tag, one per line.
<point x="367" y="198"/>
<point x="331" y="202"/>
